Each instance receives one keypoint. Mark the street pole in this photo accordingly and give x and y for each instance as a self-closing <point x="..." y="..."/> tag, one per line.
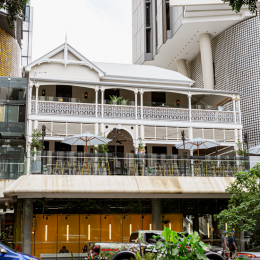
<point x="246" y="142"/>
<point x="183" y="139"/>
<point x="43" y="134"/>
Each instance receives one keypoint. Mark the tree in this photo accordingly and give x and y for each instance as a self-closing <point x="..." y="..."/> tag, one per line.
<point x="237" y="4"/>
<point x="14" y="10"/>
<point x="244" y="204"/>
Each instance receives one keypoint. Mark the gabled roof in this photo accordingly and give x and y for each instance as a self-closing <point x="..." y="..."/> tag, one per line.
<point x="113" y="71"/>
<point x="66" y="48"/>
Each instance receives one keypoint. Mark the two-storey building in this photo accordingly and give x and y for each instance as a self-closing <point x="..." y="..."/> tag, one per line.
<point x="83" y="197"/>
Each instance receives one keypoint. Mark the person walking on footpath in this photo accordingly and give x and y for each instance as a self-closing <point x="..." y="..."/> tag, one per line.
<point x="232" y="245"/>
<point x="224" y="244"/>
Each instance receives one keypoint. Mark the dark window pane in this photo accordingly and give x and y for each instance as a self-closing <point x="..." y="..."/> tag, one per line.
<point x="64" y="91"/>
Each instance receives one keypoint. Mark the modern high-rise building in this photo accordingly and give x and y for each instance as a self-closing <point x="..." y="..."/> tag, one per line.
<point x="206" y="41"/>
<point x="15" y="52"/>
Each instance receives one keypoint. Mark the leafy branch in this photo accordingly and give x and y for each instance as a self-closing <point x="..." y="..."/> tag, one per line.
<point x="36" y="142"/>
<point x="240" y="150"/>
<point x="14" y="10"/>
<point x="243" y="209"/>
<point x="237" y="4"/>
<point x="173" y="245"/>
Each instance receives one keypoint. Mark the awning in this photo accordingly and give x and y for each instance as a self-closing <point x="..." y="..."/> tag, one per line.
<point x="94" y="186"/>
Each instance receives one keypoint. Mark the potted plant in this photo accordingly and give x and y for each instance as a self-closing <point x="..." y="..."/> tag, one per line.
<point x="102" y="149"/>
<point x="140" y="145"/>
<point x="36" y="148"/>
<point x="115" y="100"/>
<point x="124" y="101"/>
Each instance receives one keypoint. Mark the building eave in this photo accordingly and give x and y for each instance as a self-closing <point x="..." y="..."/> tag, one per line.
<point x="134" y="85"/>
<point x="91" y="186"/>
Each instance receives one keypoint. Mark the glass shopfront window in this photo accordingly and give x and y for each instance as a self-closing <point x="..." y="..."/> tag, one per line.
<point x="74" y="223"/>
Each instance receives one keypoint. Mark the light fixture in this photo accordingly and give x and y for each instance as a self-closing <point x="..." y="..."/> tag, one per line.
<point x="66" y="216"/>
<point x="68" y="227"/>
<point x="150" y="226"/>
<point x="109" y="231"/>
<point x="189" y="228"/>
<point x="87" y="216"/>
<point x="86" y="95"/>
<point x="130" y="229"/>
<point x="170" y="226"/>
<point x="46" y="232"/>
<point x="208" y="230"/>
<point x="88" y="232"/>
<point x="43" y="93"/>
<point x="177" y="102"/>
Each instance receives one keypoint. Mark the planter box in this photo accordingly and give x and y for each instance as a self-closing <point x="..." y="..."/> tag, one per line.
<point x="36" y="166"/>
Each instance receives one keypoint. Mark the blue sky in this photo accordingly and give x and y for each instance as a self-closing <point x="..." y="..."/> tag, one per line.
<point x="101" y="30"/>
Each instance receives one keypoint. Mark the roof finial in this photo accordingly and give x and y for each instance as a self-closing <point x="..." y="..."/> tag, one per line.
<point x="66" y="37"/>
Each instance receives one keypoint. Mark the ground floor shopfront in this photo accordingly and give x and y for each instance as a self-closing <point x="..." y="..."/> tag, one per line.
<point x="44" y="226"/>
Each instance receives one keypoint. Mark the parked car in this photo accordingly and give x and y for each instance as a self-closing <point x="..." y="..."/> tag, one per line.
<point x="9" y="254"/>
<point x="253" y="253"/>
<point x="140" y="241"/>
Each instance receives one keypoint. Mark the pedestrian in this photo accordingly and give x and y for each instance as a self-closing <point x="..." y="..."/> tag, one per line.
<point x="232" y="244"/>
<point x="224" y="244"/>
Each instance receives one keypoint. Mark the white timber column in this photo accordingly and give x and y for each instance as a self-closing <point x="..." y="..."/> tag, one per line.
<point x="36" y="124"/>
<point x="207" y="60"/>
<point x="241" y="135"/>
<point x="234" y="109"/>
<point x="239" y="109"/>
<point x="97" y="89"/>
<point x="136" y="92"/>
<point x="30" y="97"/>
<point x="102" y="101"/>
<point x="102" y="130"/>
<point x="189" y="96"/>
<point x="182" y="67"/>
<point x="36" y="100"/>
<point x="29" y="139"/>
<point x="142" y="102"/>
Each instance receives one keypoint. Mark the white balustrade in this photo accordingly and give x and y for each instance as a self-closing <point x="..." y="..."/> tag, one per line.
<point x="161" y="113"/>
<point x="128" y="112"/>
<point x="64" y="108"/>
<point x="116" y="111"/>
<point x="212" y="116"/>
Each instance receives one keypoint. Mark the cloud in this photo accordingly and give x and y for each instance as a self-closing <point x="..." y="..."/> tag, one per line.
<point x="99" y="30"/>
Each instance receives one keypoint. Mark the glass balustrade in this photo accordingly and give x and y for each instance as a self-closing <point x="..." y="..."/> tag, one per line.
<point x="69" y="163"/>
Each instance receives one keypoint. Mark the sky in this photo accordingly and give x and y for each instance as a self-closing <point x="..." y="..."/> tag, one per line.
<point x="101" y="30"/>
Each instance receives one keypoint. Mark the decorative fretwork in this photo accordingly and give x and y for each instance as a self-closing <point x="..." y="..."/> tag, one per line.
<point x="212" y="116"/>
<point x="66" y="108"/>
<point x="160" y="113"/>
<point x="128" y="112"/>
<point x="115" y="111"/>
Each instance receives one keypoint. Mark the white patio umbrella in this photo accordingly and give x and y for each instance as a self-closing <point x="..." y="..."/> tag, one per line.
<point x="254" y="150"/>
<point x="86" y="139"/>
<point x="197" y="143"/>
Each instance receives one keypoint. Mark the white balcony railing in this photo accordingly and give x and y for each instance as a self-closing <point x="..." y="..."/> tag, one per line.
<point x="131" y="112"/>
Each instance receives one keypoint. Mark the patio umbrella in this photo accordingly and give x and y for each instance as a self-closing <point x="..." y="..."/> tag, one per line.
<point x="86" y="139"/>
<point x="198" y="143"/>
<point x="254" y="150"/>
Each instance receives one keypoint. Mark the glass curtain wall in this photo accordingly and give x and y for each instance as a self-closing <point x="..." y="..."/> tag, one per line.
<point x="12" y="126"/>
